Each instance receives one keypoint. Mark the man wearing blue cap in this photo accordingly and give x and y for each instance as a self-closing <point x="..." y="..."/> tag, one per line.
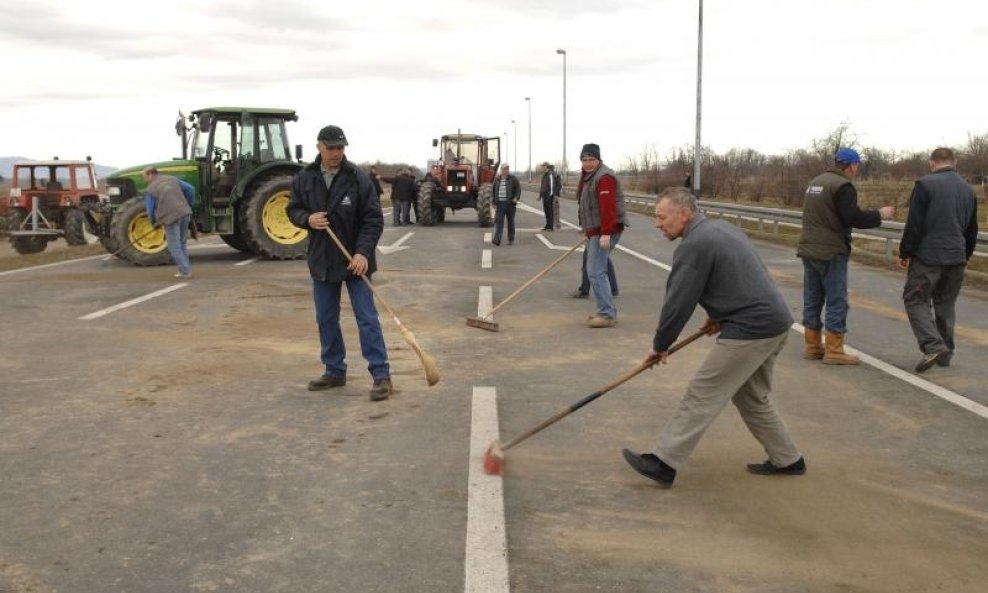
<point x="830" y="211"/>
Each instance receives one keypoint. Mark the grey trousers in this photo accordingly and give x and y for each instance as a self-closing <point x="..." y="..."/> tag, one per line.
<point x="555" y="213"/>
<point x="739" y="371"/>
<point x="929" y="297"/>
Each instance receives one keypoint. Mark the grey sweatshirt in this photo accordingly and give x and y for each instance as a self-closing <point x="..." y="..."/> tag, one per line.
<point x="716" y="267"/>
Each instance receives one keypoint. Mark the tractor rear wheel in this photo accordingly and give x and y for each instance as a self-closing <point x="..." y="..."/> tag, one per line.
<point x="138" y="242"/>
<point x="426" y="213"/>
<point x="267" y="231"/>
<point x="484" y="205"/>
<point x="24" y="244"/>
<point x="77" y="228"/>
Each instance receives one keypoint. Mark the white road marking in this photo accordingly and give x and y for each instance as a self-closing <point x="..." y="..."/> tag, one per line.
<point x="247" y="262"/>
<point x="488" y="237"/>
<point x="945" y="394"/>
<point x="552" y="245"/>
<point x="486" y="561"/>
<point x="486" y="259"/>
<point x="932" y="388"/>
<point x="51" y="265"/>
<point x="396" y="246"/>
<point x="133" y="302"/>
<point x="485" y="301"/>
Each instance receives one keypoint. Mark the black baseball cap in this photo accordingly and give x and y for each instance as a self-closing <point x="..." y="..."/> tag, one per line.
<point x="332" y="136"/>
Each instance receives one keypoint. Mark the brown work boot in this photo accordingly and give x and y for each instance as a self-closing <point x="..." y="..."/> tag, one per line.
<point x="835" y="350"/>
<point x="327" y="382"/>
<point x="599" y="321"/>
<point x="814" y="344"/>
<point x="381" y="390"/>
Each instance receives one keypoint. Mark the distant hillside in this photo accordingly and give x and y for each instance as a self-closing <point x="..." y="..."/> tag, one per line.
<point x="7" y="167"/>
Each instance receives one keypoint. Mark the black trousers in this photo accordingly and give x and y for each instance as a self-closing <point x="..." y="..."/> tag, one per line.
<point x="504" y="210"/>
<point x="547" y="208"/>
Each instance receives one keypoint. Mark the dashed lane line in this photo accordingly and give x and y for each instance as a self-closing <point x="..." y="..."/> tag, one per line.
<point x="132" y="302"/>
<point x="486" y="560"/>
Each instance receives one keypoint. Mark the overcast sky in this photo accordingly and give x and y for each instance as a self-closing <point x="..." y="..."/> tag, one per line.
<point x="107" y="78"/>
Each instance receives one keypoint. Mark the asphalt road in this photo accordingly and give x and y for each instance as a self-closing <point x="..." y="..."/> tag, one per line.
<point x="171" y="445"/>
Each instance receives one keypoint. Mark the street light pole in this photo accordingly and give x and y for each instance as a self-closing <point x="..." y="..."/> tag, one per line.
<point x="562" y="52"/>
<point x="528" y="100"/>
<point x="514" y="165"/>
<point x="507" y="155"/>
<point x="697" y="151"/>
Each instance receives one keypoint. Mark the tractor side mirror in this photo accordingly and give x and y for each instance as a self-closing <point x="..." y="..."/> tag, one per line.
<point x="205" y="122"/>
<point x="298" y="152"/>
<point x="435" y="142"/>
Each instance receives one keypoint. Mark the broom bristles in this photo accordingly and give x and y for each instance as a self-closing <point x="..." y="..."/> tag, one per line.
<point x="432" y="375"/>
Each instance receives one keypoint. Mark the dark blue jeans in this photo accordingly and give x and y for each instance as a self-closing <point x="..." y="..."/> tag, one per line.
<point x="177" y="234"/>
<point x="825" y="284"/>
<point x="333" y="351"/>
<point x="504" y="210"/>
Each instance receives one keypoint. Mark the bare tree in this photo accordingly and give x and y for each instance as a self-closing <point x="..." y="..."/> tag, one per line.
<point x="975" y="157"/>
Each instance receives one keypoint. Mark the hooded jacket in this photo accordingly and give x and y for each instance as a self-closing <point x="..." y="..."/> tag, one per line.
<point x="354" y="213"/>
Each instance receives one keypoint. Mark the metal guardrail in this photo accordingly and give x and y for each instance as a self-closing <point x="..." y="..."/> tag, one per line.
<point x="890" y="232"/>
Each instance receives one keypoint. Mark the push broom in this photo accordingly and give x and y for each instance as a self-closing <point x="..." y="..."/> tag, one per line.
<point x="485" y="322"/>
<point x="431" y="370"/>
<point x="494" y="457"/>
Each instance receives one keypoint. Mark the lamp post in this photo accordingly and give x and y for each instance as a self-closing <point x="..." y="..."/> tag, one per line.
<point x="514" y="164"/>
<point x="528" y="100"/>
<point x="507" y="155"/>
<point x="562" y="52"/>
<point x="697" y="151"/>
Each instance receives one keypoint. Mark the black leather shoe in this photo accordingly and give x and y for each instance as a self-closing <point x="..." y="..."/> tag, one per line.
<point x="767" y="469"/>
<point x="650" y="466"/>
<point x="327" y="382"/>
<point x="579" y="294"/>
<point x="931" y="359"/>
<point x="495" y="242"/>
<point x="381" y="390"/>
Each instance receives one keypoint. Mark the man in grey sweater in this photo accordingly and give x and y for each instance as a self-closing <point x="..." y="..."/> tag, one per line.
<point x="717" y="268"/>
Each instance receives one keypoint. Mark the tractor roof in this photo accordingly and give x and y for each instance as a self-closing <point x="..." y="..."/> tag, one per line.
<point x="287" y="113"/>
<point x="52" y="163"/>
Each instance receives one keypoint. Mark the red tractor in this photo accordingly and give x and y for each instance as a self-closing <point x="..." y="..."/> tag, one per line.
<point x="50" y="199"/>
<point x="467" y="166"/>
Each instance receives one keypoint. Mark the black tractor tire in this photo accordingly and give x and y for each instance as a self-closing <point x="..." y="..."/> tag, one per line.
<point x="135" y="240"/>
<point x="426" y="213"/>
<point x="484" y="200"/>
<point x="237" y="241"/>
<point x="267" y="231"/>
<point x="77" y="229"/>
<point x="24" y="245"/>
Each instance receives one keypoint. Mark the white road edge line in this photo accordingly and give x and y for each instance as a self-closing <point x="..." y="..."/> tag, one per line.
<point x="944" y="394"/>
<point x="486" y="259"/>
<point x="133" y="302"/>
<point x="248" y="261"/>
<point x="486" y="561"/>
<point x="52" y="265"/>
<point x="485" y="301"/>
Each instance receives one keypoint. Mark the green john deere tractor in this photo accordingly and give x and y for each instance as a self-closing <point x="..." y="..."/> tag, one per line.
<point x="239" y="161"/>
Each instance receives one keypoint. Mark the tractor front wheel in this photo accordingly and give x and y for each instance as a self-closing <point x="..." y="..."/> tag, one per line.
<point x="426" y="213"/>
<point x="264" y="222"/>
<point x="77" y="228"/>
<point x="136" y="239"/>
<point x="23" y="244"/>
<point x="484" y="197"/>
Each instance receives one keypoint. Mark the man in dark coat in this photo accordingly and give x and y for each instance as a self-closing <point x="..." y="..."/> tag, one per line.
<point x="940" y="235"/>
<point x="331" y="194"/>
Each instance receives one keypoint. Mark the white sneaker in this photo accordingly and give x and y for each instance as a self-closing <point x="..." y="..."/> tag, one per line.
<point x="183" y="276"/>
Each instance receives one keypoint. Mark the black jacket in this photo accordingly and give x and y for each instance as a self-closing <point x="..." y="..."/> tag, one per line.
<point x="942" y="226"/>
<point x="403" y="189"/>
<point x="544" y="188"/>
<point x="514" y="188"/>
<point x="354" y="215"/>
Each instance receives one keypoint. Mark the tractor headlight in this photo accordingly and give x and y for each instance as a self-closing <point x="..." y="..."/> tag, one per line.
<point x="449" y="188"/>
<point x="15" y="192"/>
<point x="113" y="191"/>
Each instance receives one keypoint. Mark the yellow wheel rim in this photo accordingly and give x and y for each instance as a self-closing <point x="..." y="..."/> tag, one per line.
<point x="148" y="240"/>
<point x="276" y="224"/>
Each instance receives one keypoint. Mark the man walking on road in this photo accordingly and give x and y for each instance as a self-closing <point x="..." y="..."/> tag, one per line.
<point x="938" y="240"/>
<point x="168" y="201"/>
<point x="507" y="192"/>
<point x="602" y="219"/>
<point x="549" y="192"/>
<point x="332" y="193"/>
<point x="716" y="267"/>
<point x="830" y="211"/>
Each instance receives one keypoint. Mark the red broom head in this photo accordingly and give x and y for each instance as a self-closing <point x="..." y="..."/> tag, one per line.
<point x="494" y="460"/>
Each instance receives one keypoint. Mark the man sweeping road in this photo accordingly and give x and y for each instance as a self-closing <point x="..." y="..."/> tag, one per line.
<point x="716" y="267"/>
